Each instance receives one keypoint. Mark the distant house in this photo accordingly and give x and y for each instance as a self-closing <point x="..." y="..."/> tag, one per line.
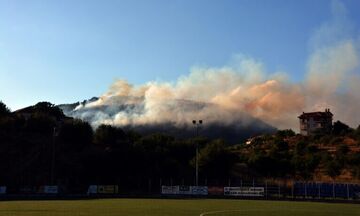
<point x="249" y="141"/>
<point x="315" y="122"/>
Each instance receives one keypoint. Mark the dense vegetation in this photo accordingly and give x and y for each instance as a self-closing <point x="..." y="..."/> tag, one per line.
<point x="39" y="145"/>
<point x="320" y="157"/>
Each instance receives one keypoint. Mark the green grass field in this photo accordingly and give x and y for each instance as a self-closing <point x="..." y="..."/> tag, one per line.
<point x="174" y="207"/>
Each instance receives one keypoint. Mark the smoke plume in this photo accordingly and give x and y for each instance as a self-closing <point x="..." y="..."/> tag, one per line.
<point x="235" y="93"/>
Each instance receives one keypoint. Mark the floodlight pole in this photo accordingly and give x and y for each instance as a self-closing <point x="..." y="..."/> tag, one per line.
<point x="197" y="125"/>
<point x="53" y="154"/>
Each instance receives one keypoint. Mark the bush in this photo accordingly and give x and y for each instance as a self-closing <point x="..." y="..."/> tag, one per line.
<point x="285" y="133"/>
<point x="333" y="168"/>
<point x="336" y="140"/>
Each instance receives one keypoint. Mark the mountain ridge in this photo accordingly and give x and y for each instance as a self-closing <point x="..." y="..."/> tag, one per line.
<point x="234" y="131"/>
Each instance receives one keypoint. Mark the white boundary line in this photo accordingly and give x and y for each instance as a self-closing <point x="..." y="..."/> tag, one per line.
<point x="223" y="211"/>
<point x="251" y="210"/>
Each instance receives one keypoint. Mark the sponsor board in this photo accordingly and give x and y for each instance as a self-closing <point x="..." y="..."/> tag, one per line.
<point x="170" y="190"/>
<point x="92" y="189"/>
<point x="357" y="194"/>
<point x="48" y="189"/>
<point x="2" y="189"/>
<point x="107" y="189"/>
<point x="244" y="191"/>
<point x="199" y="190"/>
<point x="29" y="190"/>
<point x="103" y="189"/>
<point x="215" y="190"/>
<point x="186" y="190"/>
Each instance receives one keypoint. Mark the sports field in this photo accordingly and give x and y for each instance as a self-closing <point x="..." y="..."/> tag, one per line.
<point x="174" y="207"/>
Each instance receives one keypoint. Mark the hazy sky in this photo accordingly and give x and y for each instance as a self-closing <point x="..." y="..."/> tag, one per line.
<point x="66" y="51"/>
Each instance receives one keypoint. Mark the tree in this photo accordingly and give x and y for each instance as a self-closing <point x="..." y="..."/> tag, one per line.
<point x="357" y="134"/>
<point x="74" y="138"/>
<point x="340" y="128"/>
<point x="4" y="110"/>
<point x="280" y="157"/>
<point x="333" y="168"/>
<point x="40" y="123"/>
<point x="215" y="160"/>
<point x="285" y="133"/>
<point x="48" y="109"/>
<point x="341" y="155"/>
<point x="305" y="159"/>
<point x="109" y="136"/>
<point x="75" y="135"/>
<point x="354" y="161"/>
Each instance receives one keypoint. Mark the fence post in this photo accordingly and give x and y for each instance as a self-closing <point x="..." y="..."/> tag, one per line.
<point x="279" y="189"/>
<point x="333" y="189"/>
<point x="265" y="189"/>
<point x="160" y="181"/>
<point x="149" y="185"/>
<point x="347" y="190"/>
<point x="319" y="187"/>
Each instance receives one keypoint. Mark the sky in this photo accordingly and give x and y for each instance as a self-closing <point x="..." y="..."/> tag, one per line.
<point x="68" y="51"/>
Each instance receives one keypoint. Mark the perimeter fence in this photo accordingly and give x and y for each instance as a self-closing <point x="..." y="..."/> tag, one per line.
<point x="169" y="187"/>
<point x="269" y="189"/>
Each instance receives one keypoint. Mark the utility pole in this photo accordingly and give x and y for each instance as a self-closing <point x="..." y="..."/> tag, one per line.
<point x="197" y="124"/>
<point x="53" y="154"/>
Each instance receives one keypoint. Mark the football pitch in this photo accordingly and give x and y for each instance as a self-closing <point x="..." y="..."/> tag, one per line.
<point x="174" y="207"/>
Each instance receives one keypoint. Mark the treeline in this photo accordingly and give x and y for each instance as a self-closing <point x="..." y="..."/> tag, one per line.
<point x="39" y="145"/>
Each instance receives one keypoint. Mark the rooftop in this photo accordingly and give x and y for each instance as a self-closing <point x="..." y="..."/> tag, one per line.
<point x="325" y="114"/>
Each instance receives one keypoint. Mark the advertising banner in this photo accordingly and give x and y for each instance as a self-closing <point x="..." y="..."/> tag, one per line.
<point x="170" y="190"/>
<point x="92" y="189"/>
<point x="186" y="190"/>
<point x="216" y="191"/>
<point x="49" y="189"/>
<point x="29" y="190"/>
<point x="107" y="189"/>
<point x="199" y="190"/>
<point x="244" y="191"/>
<point x="2" y="189"/>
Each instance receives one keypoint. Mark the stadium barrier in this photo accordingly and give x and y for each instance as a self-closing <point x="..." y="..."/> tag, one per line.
<point x="170" y="190"/>
<point x="326" y="190"/>
<point x="49" y="189"/>
<point x="271" y="190"/>
<point x="43" y="189"/>
<point x="216" y="191"/>
<point x="103" y="189"/>
<point x="2" y="189"/>
<point x="244" y="191"/>
<point x="184" y="190"/>
<point x="235" y="188"/>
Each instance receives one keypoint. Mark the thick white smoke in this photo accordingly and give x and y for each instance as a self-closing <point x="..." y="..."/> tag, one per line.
<point x="232" y="93"/>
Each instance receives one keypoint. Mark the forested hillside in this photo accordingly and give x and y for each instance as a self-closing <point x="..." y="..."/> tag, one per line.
<point x="40" y="145"/>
